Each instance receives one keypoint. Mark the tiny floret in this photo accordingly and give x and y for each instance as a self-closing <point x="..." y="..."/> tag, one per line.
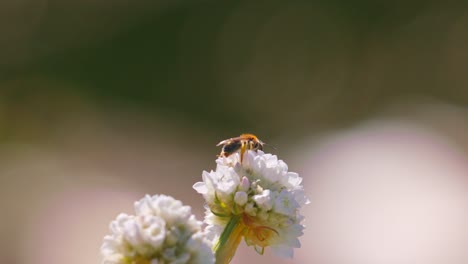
<point x="161" y="231"/>
<point x="261" y="192"/>
<point x="240" y="198"/>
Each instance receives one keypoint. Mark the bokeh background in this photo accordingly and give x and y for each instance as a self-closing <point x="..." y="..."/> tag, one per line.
<point x="103" y="101"/>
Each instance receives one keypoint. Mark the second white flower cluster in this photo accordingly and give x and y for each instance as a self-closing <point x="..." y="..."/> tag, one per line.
<point x="161" y="231"/>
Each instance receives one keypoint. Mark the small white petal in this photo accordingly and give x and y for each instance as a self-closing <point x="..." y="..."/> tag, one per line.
<point x="240" y="198"/>
<point x="200" y="187"/>
<point x="283" y="251"/>
<point x="264" y="200"/>
<point x="245" y="184"/>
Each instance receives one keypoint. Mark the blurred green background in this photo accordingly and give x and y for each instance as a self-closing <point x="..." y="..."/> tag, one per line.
<point x="266" y="66"/>
<point x="103" y="102"/>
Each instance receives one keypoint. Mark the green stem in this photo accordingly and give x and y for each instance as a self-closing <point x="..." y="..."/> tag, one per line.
<point x="229" y="240"/>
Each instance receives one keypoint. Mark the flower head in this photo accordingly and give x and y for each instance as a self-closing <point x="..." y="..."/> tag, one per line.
<point x="262" y="194"/>
<point x="162" y="231"/>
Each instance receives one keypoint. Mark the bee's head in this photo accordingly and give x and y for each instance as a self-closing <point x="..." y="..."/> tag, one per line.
<point x="257" y="144"/>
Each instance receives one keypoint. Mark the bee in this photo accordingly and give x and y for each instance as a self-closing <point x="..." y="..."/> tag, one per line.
<point x="243" y="143"/>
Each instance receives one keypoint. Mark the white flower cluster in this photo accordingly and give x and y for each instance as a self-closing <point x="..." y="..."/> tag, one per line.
<point x="263" y="192"/>
<point x="162" y="231"/>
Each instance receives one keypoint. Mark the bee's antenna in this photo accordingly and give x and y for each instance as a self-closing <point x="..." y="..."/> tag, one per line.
<point x="273" y="147"/>
<point x="270" y="146"/>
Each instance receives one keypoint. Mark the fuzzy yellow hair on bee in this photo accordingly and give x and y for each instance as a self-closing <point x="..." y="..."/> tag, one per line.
<point x="243" y="143"/>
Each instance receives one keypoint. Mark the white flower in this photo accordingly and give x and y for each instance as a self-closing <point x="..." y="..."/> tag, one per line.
<point x="260" y="190"/>
<point x="162" y="231"/>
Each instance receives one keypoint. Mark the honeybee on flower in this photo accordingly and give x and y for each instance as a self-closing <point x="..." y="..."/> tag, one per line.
<point x="243" y="143"/>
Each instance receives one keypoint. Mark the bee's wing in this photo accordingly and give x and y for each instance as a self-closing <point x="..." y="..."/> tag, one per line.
<point x="224" y="142"/>
<point x="227" y="141"/>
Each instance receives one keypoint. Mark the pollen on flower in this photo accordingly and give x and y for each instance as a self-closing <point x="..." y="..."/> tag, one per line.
<point x="162" y="231"/>
<point x="262" y="194"/>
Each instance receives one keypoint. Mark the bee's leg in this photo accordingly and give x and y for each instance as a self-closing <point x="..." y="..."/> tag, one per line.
<point x="243" y="149"/>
